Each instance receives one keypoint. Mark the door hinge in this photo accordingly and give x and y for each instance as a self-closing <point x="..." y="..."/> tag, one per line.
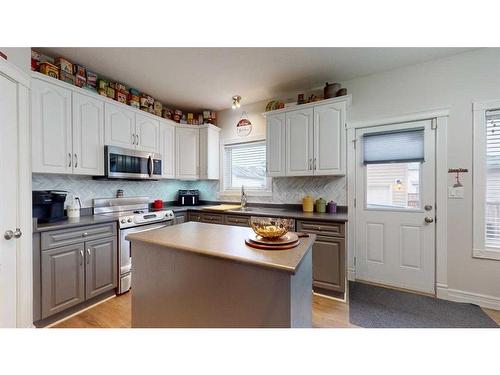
<point x="355" y="202"/>
<point x="354" y="261"/>
<point x="434" y="125"/>
<point x="354" y="143"/>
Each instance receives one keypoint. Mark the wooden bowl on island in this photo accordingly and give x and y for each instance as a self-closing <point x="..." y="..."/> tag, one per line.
<point x="270" y="227"/>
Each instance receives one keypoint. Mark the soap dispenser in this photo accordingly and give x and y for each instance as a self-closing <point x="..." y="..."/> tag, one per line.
<point x="73" y="209"/>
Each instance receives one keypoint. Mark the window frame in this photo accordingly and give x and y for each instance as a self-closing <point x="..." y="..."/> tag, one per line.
<point x="267" y="192"/>
<point x="479" y="248"/>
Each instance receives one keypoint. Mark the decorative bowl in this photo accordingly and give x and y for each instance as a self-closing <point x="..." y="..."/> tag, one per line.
<point x="270" y="227"/>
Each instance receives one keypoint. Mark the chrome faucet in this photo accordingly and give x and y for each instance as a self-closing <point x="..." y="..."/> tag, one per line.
<point x="243" y="197"/>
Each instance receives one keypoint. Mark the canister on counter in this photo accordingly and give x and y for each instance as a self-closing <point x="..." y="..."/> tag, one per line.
<point x="121" y="96"/>
<point x="49" y="69"/>
<point x="66" y="77"/>
<point x="64" y="65"/>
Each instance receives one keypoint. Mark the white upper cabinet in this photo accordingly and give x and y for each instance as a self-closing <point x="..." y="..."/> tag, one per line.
<point x="299" y="142"/>
<point x="51" y="128"/>
<point x="329" y="139"/>
<point x="310" y="141"/>
<point x="88" y="135"/>
<point x="275" y="142"/>
<point x="209" y="153"/>
<point x="147" y="130"/>
<point x="187" y="155"/>
<point x="120" y="126"/>
<point x="167" y="149"/>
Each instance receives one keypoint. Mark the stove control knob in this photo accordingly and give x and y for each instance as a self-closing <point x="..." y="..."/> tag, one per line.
<point x="123" y="221"/>
<point x="129" y="220"/>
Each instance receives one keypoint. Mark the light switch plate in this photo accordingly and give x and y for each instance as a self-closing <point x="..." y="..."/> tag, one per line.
<point x="456" y="192"/>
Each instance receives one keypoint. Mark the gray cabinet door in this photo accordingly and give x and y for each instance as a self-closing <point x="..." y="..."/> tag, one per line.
<point x="100" y="266"/>
<point x="180" y="218"/>
<point x="328" y="263"/>
<point x="62" y="278"/>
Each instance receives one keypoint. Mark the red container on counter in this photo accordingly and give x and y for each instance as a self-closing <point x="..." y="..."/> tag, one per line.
<point x="158" y="204"/>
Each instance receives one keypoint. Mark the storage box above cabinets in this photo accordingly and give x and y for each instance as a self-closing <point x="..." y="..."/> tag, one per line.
<point x="309" y="141"/>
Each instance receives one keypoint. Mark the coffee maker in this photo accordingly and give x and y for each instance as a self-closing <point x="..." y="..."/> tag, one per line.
<point x="48" y="205"/>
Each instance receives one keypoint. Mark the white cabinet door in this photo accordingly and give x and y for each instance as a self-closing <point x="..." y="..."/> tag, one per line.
<point x="187" y="145"/>
<point x="329" y="139"/>
<point x="299" y="142"/>
<point x="276" y="145"/>
<point x="147" y="132"/>
<point x="51" y="128"/>
<point x="209" y="153"/>
<point x="167" y="150"/>
<point x="119" y="126"/>
<point x="88" y="135"/>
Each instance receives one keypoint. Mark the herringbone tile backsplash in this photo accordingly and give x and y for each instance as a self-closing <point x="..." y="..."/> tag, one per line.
<point x="285" y="189"/>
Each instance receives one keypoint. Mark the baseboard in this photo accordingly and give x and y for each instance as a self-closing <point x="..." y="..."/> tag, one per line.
<point x="455" y="295"/>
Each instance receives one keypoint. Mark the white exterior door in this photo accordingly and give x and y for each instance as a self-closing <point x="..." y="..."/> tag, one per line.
<point x="51" y="128"/>
<point x="395" y="215"/>
<point x="299" y="142"/>
<point x="147" y="133"/>
<point x="167" y="150"/>
<point x="88" y="135"/>
<point x="8" y="201"/>
<point x="329" y="139"/>
<point x="119" y="127"/>
<point x="187" y="148"/>
<point x="276" y="145"/>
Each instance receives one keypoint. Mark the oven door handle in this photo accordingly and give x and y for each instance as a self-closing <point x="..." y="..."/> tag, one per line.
<point x="150" y="166"/>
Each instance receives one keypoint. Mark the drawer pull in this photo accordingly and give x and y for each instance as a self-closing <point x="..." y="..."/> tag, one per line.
<point x="85" y="234"/>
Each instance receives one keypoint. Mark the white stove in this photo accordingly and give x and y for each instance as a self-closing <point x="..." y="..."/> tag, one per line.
<point x="133" y="215"/>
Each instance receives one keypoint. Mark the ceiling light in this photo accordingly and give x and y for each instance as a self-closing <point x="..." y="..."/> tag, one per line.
<point x="236" y="101"/>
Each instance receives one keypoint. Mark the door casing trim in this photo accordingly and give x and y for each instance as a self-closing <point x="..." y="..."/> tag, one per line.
<point x="440" y="116"/>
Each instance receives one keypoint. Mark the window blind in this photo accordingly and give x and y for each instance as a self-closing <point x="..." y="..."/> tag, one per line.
<point x="245" y="164"/>
<point x="403" y="146"/>
<point x="492" y="212"/>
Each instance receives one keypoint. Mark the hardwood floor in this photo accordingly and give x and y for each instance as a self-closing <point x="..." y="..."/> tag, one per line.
<point x="116" y="313"/>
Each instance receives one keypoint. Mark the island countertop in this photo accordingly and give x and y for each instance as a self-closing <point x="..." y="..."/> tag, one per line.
<point x="227" y="242"/>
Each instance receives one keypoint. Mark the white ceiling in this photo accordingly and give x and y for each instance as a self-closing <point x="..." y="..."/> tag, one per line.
<point x="197" y="78"/>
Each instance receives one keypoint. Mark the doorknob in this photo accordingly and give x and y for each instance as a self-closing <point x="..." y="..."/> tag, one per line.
<point x="18" y="233"/>
<point x="8" y="235"/>
<point x="429" y="220"/>
<point x="428" y="207"/>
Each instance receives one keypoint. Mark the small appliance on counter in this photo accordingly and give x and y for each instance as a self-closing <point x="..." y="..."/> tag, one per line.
<point x="188" y="197"/>
<point x="48" y="205"/>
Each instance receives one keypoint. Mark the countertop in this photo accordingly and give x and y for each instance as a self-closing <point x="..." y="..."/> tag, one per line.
<point x="226" y="242"/>
<point x="249" y="211"/>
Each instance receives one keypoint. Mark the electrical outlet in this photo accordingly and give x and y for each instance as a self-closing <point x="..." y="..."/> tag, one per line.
<point x="456" y="192"/>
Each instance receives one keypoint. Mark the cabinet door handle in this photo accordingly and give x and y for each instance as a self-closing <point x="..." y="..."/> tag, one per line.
<point x="81" y="257"/>
<point x="69" y="158"/>
<point x="315" y="163"/>
<point x="310" y="163"/>
<point x="88" y="256"/>
<point x="137" y="141"/>
<point x="76" y="161"/>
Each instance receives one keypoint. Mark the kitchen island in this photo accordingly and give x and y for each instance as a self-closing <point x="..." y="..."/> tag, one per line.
<point x="204" y="275"/>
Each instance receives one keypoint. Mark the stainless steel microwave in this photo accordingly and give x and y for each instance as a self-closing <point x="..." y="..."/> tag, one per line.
<point x="129" y="164"/>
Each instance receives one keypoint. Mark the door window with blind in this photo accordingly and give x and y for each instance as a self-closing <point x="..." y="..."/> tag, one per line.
<point x="245" y="165"/>
<point x="486" y="181"/>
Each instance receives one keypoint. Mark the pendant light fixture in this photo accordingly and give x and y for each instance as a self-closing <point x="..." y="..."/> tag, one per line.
<point x="236" y="101"/>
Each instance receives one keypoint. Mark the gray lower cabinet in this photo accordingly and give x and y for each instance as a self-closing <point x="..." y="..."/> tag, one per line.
<point x="328" y="254"/>
<point x="212" y="218"/>
<point x="237" y="220"/>
<point x="194" y="216"/>
<point x="180" y="217"/>
<point x="73" y="273"/>
<point x="100" y="266"/>
<point x="63" y="278"/>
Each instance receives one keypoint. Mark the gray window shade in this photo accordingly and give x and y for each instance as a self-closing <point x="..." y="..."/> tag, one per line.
<point x="492" y="179"/>
<point x="403" y="146"/>
<point x="245" y="164"/>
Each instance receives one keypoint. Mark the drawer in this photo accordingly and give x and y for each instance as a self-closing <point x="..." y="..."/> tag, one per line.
<point x="63" y="237"/>
<point x="180" y="218"/>
<point x="194" y="216"/>
<point x="212" y="218"/>
<point x="238" y="220"/>
<point x="322" y="228"/>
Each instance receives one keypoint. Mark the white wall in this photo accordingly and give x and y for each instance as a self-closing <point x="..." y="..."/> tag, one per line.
<point x="20" y="56"/>
<point x="454" y="82"/>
